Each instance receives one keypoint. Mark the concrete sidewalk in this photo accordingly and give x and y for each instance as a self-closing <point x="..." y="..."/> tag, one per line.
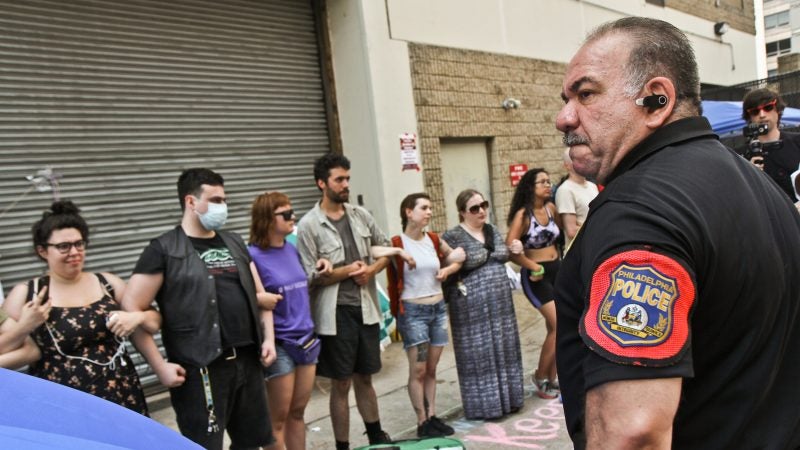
<point x="540" y="424"/>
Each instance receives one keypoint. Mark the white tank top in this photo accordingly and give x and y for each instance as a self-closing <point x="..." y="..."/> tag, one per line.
<point x="420" y="282"/>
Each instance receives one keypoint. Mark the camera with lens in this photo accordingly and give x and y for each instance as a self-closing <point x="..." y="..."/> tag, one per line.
<point x="755" y="148"/>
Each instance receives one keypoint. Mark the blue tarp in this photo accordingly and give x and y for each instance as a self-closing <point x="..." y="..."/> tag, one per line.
<point x="37" y="414"/>
<point x="726" y="117"/>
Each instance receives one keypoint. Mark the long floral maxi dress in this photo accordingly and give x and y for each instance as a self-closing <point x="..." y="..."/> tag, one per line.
<point x="484" y="327"/>
<point x="81" y="335"/>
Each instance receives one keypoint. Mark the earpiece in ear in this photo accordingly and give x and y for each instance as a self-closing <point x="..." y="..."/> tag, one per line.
<point x="654" y="101"/>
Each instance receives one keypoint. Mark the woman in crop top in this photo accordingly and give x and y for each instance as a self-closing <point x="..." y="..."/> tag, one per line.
<point x="533" y="228"/>
<point x="416" y="292"/>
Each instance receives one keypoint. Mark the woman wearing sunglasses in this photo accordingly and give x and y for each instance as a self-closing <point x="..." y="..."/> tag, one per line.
<point x="291" y="377"/>
<point x="82" y="341"/>
<point x="482" y="318"/>
<point x="534" y="220"/>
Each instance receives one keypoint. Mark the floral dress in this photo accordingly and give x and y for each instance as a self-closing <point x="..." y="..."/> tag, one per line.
<point x="79" y="351"/>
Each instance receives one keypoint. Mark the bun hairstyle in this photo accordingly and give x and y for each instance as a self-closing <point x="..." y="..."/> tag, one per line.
<point x="62" y="214"/>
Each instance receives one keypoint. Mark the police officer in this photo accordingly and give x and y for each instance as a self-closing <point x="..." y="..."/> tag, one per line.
<point x="678" y="303"/>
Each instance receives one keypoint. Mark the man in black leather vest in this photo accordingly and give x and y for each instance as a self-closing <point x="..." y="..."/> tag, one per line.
<point x="213" y="330"/>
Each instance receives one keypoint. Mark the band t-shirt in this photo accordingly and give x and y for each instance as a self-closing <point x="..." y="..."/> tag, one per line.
<point x="349" y="290"/>
<point x="236" y="325"/>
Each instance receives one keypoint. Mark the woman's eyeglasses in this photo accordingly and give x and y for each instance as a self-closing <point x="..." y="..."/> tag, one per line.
<point x="544" y="182"/>
<point x="766" y="107"/>
<point x="475" y="209"/>
<point x="287" y="215"/>
<point x="64" y="247"/>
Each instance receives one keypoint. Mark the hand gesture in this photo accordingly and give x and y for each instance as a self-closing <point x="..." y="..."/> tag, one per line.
<point x="516" y="247"/>
<point x="362" y="274"/>
<point x="123" y="323"/>
<point x="268" y="300"/>
<point x="758" y="161"/>
<point x="533" y="277"/>
<point x="171" y="375"/>
<point x="35" y="312"/>
<point x="323" y="266"/>
<point x="408" y="259"/>
<point x="268" y="353"/>
<point x="442" y="274"/>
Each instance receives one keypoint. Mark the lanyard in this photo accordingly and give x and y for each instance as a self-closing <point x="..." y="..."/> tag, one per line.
<point x="213" y="427"/>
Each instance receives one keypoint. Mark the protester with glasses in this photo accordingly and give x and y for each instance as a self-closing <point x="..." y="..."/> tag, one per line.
<point x="533" y="228"/>
<point x="82" y="340"/>
<point x="781" y="150"/>
<point x="482" y="318"/>
<point x="290" y="378"/>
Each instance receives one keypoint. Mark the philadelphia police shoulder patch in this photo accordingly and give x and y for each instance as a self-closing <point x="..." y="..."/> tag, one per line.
<point x="639" y="307"/>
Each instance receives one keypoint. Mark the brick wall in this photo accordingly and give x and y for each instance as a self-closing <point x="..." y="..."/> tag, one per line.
<point x="738" y="13"/>
<point x="458" y="94"/>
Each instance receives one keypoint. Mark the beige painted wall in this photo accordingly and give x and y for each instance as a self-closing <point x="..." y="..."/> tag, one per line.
<point x="375" y="104"/>
<point x="441" y="69"/>
<point x="552" y="30"/>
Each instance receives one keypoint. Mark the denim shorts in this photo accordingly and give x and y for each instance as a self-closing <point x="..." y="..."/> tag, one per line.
<point x="423" y="323"/>
<point x="283" y="365"/>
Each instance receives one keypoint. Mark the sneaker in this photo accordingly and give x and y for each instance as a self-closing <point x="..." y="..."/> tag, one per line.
<point x="545" y="389"/>
<point x="380" y="438"/>
<point x="428" y="430"/>
<point x="441" y="426"/>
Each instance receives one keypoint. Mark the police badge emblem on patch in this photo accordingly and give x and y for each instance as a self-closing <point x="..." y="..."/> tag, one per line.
<point x="637" y="308"/>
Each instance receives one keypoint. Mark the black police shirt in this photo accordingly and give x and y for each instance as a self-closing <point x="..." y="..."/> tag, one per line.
<point x="687" y="266"/>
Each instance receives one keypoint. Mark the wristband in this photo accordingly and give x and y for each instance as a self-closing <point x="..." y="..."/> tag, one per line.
<point x="538" y="273"/>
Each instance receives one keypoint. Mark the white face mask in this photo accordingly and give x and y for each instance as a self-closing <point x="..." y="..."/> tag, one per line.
<point x="214" y="217"/>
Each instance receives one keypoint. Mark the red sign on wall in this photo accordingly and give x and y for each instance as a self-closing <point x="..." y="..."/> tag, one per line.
<point x="517" y="171"/>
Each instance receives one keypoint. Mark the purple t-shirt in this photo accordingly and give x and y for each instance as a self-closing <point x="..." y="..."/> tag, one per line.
<point x="282" y="273"/>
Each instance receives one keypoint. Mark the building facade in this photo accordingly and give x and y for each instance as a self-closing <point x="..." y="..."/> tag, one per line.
<point x="106" y="102"/>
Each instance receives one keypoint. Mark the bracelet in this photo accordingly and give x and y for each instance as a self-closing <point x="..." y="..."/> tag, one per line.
<point x="538" y="273"/>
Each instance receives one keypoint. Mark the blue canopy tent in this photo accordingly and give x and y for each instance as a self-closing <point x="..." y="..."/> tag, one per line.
<point x="36" y="415"/>
<point x="726" y="117"/>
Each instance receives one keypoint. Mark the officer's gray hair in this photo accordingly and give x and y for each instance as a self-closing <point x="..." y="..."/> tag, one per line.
<point x="657" y="49"/>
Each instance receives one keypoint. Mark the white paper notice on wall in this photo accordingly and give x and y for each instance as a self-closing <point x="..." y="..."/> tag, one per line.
<point x="409" y="154"/>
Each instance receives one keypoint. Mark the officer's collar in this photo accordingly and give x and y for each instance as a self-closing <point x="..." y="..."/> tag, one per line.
<point x="673" y="133"/>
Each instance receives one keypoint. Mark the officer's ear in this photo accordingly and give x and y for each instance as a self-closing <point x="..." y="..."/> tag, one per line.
<point x="658" y="99"/>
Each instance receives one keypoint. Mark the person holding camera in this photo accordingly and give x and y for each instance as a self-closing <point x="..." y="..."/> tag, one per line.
<point x="774" y="151"/>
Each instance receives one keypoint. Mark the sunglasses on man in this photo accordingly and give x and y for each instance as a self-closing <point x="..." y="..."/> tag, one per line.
<point x="475" y="209"/>
<point x="766" y="107"/>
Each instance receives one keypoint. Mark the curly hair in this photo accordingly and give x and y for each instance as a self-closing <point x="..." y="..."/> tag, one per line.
<point x="524" y="194"/>
<point x="62" y="214"/>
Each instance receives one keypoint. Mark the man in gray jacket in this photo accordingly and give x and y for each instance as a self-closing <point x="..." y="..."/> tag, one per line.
<point x="344" y="303"/>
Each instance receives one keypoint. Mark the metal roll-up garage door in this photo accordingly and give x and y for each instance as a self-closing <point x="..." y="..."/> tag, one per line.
<point x="112" y="99"/>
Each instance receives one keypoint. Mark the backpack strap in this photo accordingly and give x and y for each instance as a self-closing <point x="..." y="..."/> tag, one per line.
<point x="394" y="274"/>
<point x="106" y="285"/>
<point x="437" y="245"/>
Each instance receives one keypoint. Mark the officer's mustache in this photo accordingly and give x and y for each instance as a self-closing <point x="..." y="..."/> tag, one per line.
<point x="571" y="139"/>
